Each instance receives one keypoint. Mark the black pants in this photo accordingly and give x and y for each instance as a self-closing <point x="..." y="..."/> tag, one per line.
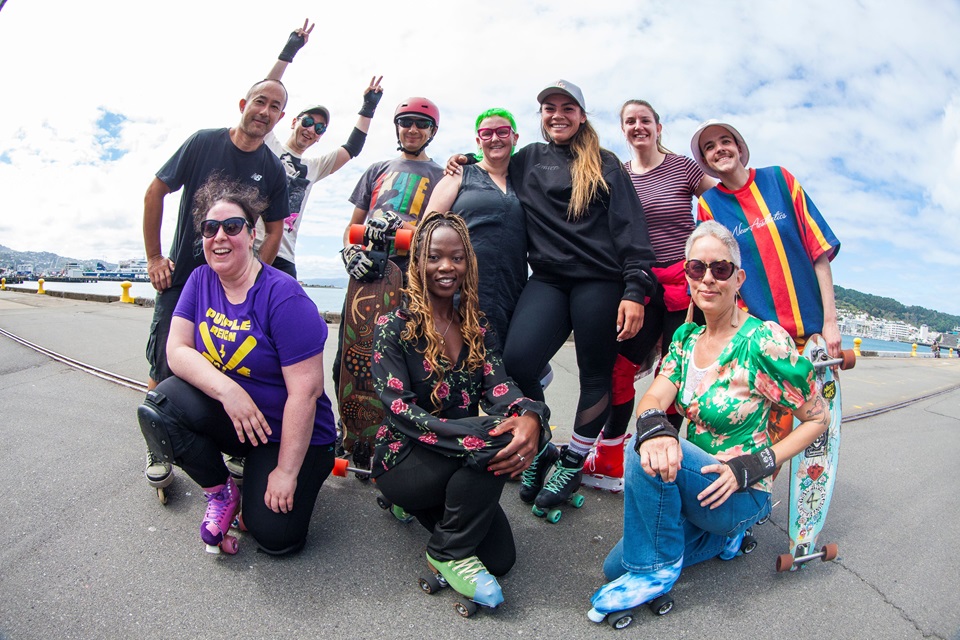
<point x="286" y="266"/>
<point x="200" y="429"/>
<point x="458" y="504"/>
<point x="546" y="313"/>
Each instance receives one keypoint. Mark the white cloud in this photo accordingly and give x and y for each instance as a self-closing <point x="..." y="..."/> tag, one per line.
<point x="858" y="100"/>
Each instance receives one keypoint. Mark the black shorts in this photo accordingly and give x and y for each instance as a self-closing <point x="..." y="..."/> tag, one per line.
<point x="163" y="308"/>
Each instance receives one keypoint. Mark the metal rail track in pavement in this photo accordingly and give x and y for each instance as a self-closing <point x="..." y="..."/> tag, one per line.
<point x="103" y="374"/>
<point x="136" y="385"/>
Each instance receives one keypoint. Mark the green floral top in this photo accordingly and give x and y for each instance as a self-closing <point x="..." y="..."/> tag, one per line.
<point x="404" y="381"/>
<point x="730" y="405"/>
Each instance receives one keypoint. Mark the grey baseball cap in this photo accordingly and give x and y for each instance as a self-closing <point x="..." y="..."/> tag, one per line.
<point x="322" y="110"/>
<point x="567" y="89"/>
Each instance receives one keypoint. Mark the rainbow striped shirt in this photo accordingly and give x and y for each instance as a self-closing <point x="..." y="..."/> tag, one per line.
<point x="781" y="233"/>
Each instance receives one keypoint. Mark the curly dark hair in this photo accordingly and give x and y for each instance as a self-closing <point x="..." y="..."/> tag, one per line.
<point x="420" y="324"/>
<point x="220" y="188"/>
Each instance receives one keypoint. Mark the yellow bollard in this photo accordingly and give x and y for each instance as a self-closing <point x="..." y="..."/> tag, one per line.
<point x="125" y="296"/>
<point x="913" y="354"/>
<point x="3" y="284"/>
<point x="40" y="286"/>
<point x="856" y="346"/>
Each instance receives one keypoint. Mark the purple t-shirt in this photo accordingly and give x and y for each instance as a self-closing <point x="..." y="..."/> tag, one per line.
<point x="276" y="326"/>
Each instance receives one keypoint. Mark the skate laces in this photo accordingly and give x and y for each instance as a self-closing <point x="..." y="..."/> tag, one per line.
<point x="468" y="568"/>
<point x="528" y="476"/>
<point x="561" y="477"/>
<point x="218" y="505"/>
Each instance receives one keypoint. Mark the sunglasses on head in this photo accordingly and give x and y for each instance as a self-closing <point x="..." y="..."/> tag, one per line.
<point x="419" y="123"/>
<point x="231" y="226"/>
<point x="308" y="122"/>
<point x="501" y="132"/>
<point x="721" y="269"/>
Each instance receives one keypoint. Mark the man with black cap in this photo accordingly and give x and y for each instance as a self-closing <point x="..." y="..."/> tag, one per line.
<point x="305" y="130"/>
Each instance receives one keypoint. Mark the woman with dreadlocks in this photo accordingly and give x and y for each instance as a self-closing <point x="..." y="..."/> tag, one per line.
<point x="434" y="366"/>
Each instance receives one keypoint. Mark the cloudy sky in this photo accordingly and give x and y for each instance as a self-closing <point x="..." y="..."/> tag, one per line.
<point x="859" y="100"/>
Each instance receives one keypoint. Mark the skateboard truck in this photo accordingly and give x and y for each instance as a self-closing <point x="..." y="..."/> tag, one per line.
<point x="786" y="562"/>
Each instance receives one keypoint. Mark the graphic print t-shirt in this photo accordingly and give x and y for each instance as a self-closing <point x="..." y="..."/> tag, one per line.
<point x="398" y="185"/>
<point x="276" y="326"/>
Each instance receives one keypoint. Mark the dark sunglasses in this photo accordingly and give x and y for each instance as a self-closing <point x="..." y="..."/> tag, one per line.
<point x="419" y="123"/>
<point x="231" y="226"/>
<point x="308" y="122"/>
<point x="721" y="269"/>
<point x="501" y="132"/>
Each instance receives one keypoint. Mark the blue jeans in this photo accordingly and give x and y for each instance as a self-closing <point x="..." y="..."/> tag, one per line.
<point x="663" y="521"/>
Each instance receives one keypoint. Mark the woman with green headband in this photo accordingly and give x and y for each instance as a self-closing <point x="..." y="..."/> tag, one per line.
<point x="483" y="195"/>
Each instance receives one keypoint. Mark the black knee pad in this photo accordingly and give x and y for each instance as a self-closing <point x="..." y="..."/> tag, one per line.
<point x="154" y="415"/>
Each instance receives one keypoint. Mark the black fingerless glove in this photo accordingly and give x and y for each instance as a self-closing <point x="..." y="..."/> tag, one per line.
<point x="753" y="467"/>
<point x="653" y="423"/>
<point x="471" y="158"/>
<point x="370" y="101"/>
<point x="294" y="43"/>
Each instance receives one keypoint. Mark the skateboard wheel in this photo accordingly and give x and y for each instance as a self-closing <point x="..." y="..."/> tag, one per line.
<point x="553" y="516"/>
<point x="537" y="511"/>
<point x="429" y="584"/>
<point x="162" y="495"/>
<point x="466" y="608"/>
<point x="849" y="359"/>
<point x="762" y="521"/>
<point x="357" y="233"/>
<point x="829" y="551"/>
<point x="748" y="544"/>
<point x="383" y="503"/>
<point x="661" y="605"/>
<point x="340" y="467"/>
<point x="577" y="500"/>
<point x="620" y="619"/>
<point x="784" y="562"/>
<point x="403" y="239"/>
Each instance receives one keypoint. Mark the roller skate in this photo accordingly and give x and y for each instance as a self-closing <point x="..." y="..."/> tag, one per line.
<point x="159" y="475"/>
<point x="739" y="545"/>
<point x="604" y="467"/>
<point x="531" y="480"/>
<point x="616" y="602"/>
<point x="469" y="578"/>
<point x="223" y="503"/>
<point x="561" y="487"/>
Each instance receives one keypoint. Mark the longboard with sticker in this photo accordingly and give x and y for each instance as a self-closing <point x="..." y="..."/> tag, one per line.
<point x="813" y="472"/>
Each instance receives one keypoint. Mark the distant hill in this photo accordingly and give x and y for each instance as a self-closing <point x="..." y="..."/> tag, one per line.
<point x="44" y="261"/>
<point x="890" y="309"/>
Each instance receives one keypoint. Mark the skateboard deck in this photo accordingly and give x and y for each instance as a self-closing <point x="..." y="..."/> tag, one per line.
<point x="813" y="472"/>
<point x="361" y="411"/>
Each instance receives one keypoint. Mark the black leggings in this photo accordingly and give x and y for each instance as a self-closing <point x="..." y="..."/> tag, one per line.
<point x="546" y="313"/>
<point x="200" y="430"/>
<point x="458" y="504"/>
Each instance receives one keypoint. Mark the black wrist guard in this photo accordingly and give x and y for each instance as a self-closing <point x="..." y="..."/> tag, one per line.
<point x="753" y="467"/>
<point x="354" y="144"/>
<point x="653" y="423"/>
<point x="370" y="101"/>
<point x="294" y="43"/>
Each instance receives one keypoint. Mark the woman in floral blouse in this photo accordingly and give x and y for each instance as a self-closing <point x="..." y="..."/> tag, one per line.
<point x="690" y="500"/>
<point x="434" y="366"/>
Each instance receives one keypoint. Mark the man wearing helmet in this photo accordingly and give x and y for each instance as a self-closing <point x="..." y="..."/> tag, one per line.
<point x="394" y="192"/>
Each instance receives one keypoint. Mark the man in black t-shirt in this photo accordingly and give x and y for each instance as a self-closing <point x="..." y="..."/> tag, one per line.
<point x="237" y="153"/>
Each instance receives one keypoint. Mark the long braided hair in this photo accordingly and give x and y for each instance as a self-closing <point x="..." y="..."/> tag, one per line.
<point x="420" y="323"/>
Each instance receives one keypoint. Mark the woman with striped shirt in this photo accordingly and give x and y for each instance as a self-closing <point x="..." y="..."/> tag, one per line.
<point x="667" y="184"/>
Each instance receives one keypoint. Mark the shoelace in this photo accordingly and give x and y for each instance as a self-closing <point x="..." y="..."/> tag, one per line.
<point x="561" y="476"/>
<point x="218" y="502"/>
<point x="468" y="568"/>
<point x="529" y="475"/>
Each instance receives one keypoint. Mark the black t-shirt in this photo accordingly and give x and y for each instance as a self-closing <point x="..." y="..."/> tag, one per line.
<point x="204" y="153"/>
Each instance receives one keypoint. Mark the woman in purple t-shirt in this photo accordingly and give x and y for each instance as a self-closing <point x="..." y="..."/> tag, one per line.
<point x="246" y="348"/>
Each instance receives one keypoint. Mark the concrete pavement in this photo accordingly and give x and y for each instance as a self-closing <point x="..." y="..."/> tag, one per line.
<point x="88" y="552"/>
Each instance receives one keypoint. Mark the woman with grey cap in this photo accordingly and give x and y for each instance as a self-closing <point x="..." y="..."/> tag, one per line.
<point x="590" y="256"/>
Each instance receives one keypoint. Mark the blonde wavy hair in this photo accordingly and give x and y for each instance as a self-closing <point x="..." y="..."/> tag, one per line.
<point x="420" y="321"/>
<point x="586" y="170"/>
